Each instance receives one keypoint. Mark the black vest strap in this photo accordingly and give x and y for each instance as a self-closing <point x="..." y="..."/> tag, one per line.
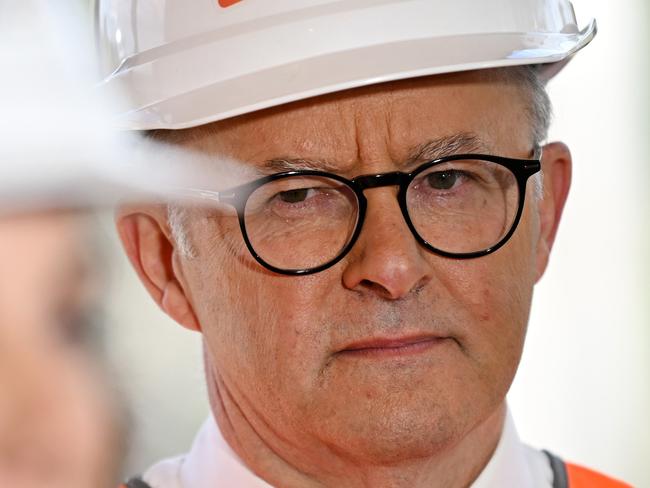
<point x="136" y="483"/>
<point x="560" y="477"/>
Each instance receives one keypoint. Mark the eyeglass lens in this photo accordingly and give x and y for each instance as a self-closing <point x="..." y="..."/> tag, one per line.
<point x="301" y="222"/>
<point x="463" y="206"/>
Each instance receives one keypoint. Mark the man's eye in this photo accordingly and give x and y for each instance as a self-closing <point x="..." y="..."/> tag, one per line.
<point x="294" y="196"/>
<point x="444" y="180"/>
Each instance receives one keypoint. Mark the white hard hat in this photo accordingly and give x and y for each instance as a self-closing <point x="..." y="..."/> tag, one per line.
<point x="185" y="63"/>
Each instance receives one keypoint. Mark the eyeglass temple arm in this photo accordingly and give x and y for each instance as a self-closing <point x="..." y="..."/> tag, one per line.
<point x="534" y="164"/>
<point x="194" y="194"/>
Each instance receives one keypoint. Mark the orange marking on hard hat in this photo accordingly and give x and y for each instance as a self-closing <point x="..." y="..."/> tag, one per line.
<point x="228" y="3"/>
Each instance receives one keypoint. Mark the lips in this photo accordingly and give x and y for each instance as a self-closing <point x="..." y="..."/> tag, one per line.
<point x="398" y="346"/>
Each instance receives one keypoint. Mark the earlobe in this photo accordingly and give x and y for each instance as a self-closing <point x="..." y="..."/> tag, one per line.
<point x="175" y="304"/>
<point x="151" y="253"/>
<point x="557" y="169"/>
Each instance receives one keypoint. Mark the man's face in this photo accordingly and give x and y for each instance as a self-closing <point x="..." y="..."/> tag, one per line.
<point x="394" y="351"/>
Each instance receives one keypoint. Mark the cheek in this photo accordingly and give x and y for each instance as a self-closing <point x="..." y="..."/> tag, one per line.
<point x="494" y="292"/>
<point x="257" y="325"/>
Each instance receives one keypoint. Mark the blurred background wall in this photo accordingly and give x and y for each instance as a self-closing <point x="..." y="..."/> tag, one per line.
<point x="583" y="389"/>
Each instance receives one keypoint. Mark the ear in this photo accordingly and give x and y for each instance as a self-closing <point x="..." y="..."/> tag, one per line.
<point x="147" y="241"/>
<point x="556" y="169"/>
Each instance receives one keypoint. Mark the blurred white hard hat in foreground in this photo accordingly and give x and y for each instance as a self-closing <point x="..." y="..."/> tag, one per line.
<point x="186" y="62"/>
<point x="57" y="145"/>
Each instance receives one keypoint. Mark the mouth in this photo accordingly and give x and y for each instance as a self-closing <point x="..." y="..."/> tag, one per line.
<point x="393" y="347"/>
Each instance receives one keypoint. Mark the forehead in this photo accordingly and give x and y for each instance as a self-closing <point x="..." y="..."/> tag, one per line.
<point x="387" y="121"/>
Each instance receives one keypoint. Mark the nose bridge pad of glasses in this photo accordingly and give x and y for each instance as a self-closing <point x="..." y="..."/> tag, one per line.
<point x="378" y="180"/>
<point x="396" y="178"/>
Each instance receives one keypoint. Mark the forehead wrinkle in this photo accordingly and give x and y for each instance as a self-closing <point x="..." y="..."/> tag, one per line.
<point x="463" y="142"/>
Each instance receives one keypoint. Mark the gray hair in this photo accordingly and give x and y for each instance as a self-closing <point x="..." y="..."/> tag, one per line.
<point x="539" y="110"/>
<point x="538" y="106"/>
<point x="176" y="218"/>
<point x="539" y="113"/>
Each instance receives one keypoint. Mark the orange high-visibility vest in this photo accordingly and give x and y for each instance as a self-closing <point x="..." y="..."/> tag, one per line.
<point x="565" y="475"/>
<point x="579" y="477"/>
<point x="568" y="475"/>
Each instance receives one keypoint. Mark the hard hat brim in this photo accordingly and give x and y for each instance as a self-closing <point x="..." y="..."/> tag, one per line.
<point x="207" y="97"/>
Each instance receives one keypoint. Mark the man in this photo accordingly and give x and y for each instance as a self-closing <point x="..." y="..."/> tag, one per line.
<point x="363" y="299"/>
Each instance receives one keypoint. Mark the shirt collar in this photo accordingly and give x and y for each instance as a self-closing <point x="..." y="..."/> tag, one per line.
<point x="513" y="463"/>
<point x="211" y="463"/>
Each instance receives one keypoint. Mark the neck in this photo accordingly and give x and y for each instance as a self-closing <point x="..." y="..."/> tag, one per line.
<point x="277" y="461"/>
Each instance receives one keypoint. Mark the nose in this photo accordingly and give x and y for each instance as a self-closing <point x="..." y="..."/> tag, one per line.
<point x="386" y="259"/>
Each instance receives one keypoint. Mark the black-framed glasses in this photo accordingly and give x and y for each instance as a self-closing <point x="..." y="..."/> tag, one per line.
<point x="460" y="206"/>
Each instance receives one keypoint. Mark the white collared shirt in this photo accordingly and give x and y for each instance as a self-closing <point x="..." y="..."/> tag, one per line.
<point x="211" y="463"/>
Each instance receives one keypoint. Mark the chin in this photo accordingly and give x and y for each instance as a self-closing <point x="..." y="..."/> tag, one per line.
<point x="392" y="430"/>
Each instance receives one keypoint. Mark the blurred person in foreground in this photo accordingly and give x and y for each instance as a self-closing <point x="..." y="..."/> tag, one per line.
<point x="364" y="300"/>
<point x="60" y="424"/>
<point x="58" y="420"/>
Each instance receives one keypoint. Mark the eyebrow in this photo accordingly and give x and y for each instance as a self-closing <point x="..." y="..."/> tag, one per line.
<point x="295" y="164"/>
<point x="464" y="142"/>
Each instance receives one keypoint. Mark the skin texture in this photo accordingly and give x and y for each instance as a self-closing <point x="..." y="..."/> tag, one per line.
<point x="298" y="410"/>
<point x="56" y="420"/>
